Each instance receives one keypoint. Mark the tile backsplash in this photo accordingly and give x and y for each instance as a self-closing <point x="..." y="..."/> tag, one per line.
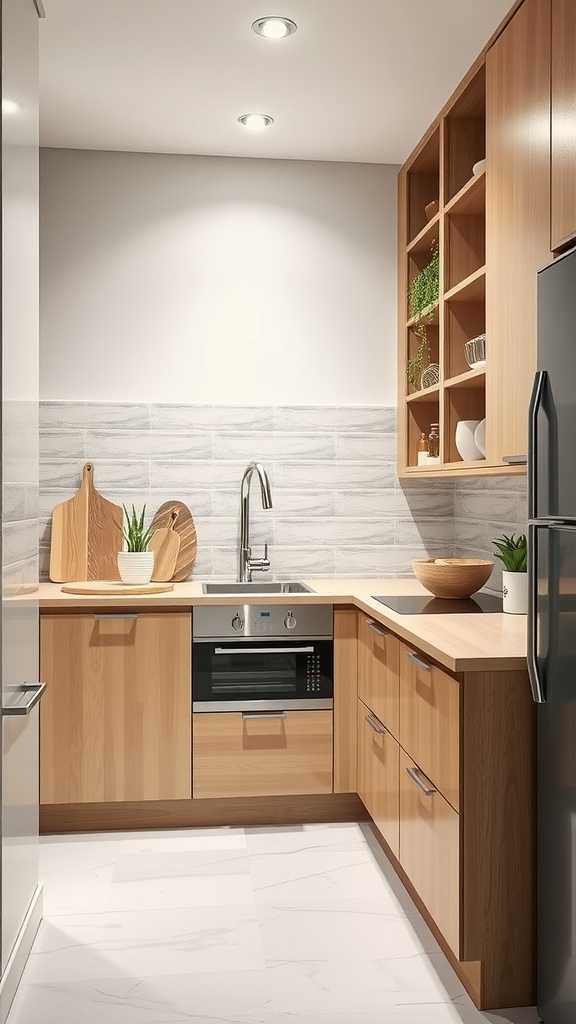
<point x="338" y="509"/>
<point x="338" y="506"/>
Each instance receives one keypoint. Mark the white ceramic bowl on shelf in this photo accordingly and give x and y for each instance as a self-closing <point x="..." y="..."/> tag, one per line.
<point x="465" y="443"/>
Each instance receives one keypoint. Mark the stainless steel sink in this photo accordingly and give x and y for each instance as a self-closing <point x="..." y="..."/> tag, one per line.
<point x="291" y="587"/>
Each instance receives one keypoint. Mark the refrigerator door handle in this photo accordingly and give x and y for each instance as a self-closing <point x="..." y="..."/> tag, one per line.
<point x="536" y="398"/>
<point x="536" y="683"/>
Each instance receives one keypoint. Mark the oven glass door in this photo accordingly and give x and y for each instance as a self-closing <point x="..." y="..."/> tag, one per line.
<point x="235" y="675"/>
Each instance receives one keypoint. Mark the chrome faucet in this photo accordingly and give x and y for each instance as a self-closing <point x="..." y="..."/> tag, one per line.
<point x="246" y="564"/>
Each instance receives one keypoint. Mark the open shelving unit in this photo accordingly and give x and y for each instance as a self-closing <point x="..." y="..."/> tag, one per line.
<point x="441" y="171"/>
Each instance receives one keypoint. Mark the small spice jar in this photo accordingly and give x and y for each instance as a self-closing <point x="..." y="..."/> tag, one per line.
<point x="422" y="450"/>
<point x="434" y="442"/>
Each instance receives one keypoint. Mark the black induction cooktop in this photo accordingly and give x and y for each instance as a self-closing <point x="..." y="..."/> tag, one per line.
<point x="416" y="604"/>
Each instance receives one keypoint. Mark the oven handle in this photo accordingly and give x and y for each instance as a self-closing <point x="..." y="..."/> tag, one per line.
<point x="264" y="650"/>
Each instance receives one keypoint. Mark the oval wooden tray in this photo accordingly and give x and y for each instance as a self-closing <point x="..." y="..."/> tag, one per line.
<point x="101" y="588"/>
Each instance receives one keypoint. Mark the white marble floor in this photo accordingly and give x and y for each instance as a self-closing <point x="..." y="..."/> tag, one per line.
<point x="295" y="925"/>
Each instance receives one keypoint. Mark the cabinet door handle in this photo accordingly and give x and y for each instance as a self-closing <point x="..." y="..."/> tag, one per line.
<point x="376" y="629"/>
<point x="263" y="715"/>
<point x="418" y="661"/>
<point x="375" y="724"/>
<point x="426" y="787"/>
<point x="36" y="690"/>
<point x="116" y="615"/>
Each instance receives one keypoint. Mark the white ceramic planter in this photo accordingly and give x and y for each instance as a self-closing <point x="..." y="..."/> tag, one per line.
<point x="464" y="439"/>
<point x="135" y="566"/>
<point x="515" y="592"/>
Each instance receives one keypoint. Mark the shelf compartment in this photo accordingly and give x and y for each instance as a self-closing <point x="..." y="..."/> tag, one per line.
<point x="424" y="395"/>
<point x="413" y="342"/>
<point x="465" y="247"/>
<point x="471" y="199"/>
<point x="423" y="183"/>
<point x="461" y="403"/>
<point x="420" y="416"/>
<point x="465" y="135"/>
<point x="470" y="379"/>
<point x="434" y="310"/>
<point x="463" y="321"/>
<point x="471" y="289"/>
<point x="425" y="239"/>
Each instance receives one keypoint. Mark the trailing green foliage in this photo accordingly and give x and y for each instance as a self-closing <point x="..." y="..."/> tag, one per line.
<point x="512" y="552"/>
<point x="136" y="537"/>
<point x="423" y="294"/>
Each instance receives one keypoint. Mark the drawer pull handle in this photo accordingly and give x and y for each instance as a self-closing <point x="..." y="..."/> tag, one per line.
<point x="376" y="629"/>
<point x="116" y="615"/>
<point x="426" y="787"/>
<point x="418" y="661"/>
<point x="262" y="715"/>
<point x="374" y="724"/>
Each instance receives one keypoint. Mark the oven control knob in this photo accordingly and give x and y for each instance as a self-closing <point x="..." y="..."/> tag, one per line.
<point x="290" y="621"/>
<point x="237" y="623"/>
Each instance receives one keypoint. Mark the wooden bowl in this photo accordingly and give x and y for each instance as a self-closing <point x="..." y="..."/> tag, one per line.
<point x="431" y="209"/>
<point x="452" y="577"/>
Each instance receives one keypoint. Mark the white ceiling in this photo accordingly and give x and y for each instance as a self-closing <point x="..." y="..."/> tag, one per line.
<point x="360" y="80"/>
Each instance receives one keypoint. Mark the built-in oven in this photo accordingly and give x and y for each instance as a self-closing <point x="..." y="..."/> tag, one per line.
<point x="262" y="658"/>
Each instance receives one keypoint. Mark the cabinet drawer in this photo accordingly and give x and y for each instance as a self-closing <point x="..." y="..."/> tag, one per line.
<point x="378" y="771"/>
<point x="378" y="672"/>
<point x="430" y="721"/>
<point x="429" y="848"/>
<point x="235" y="755"/>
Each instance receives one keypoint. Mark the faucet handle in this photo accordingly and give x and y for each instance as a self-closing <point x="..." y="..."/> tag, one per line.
<point x="259" y="564"/>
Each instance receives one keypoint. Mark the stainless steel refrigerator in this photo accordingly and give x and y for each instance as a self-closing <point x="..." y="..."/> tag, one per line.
<point x="552" y="632"/>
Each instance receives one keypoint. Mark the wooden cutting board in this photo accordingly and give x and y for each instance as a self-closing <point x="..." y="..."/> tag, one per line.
<point x="184" y="526"/>
<point x="104" y="589"/>
<point x="85" y="535"/>
<point x="165" y="544"/>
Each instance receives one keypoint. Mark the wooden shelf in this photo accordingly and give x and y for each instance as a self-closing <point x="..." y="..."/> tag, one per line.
<point x="471" y="289"/>
<point x="435" y="310"/>
<point x="424" y="240"/>
<point x="464" y="465"/>
<point x="424" y="394"/>
<point x="470" y="379"/>
<point x="471" y="199"/>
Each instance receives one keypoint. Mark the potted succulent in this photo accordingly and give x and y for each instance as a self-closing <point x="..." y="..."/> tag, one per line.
<point x="135" y="563"/>
<point x="512" y="552"/>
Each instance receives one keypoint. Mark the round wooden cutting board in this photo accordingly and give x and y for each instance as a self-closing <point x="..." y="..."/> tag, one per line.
<point x="184" y="526"/>
<point x="99" y="588"/>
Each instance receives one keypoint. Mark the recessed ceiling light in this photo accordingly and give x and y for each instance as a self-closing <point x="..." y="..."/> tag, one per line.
<point x="10" y="107"/>
<point x="256" y="122"/>
<point x="274" y="28"/>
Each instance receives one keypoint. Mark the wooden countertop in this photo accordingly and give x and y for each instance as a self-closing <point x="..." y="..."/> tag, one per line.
<point x="462" y="643"/>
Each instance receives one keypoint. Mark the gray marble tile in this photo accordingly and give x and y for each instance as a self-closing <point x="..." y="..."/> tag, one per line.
<point x="198" y="501"/>
<point x="14" y="502"/>
<point x="148" y="445"/>
<point x="296" y="562"/>
<point x="341" y="418"/>
<point x="298" y="877"/>
<point x="366" y="503"/>
<point x="220" y="998"/>
<point x="203" y="566"/>
<point x="486" y="505"/>
<point x="492" y="483"/>
<point x="366" y="447"/>
<point x="423" y="531"/>
<point x="199" y="474"/>
<point x="334" y="531"/>
<point x="335" y="475"/>
<point x="61" y="474"/>
<point x="19" y="541"/>
<point x="424" y="503"/>
<point x="265" y="447"/>
<point x="63" y="444"/>
<point x="82" y="415"/>
<point x="212" y="417"/>
<point x="383" y="561"/>
<point x="297" y="503"/>
<point x="218" y="531"/>
<point x="160" y="865"/>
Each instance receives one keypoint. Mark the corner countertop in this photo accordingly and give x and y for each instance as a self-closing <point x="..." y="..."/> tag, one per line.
<point x="462" y="643"/>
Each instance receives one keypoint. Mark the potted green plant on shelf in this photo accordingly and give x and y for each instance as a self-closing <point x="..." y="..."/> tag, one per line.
<point x="135" y="563"/>
<point x="423" y="293"/>
<point x="513" y="553"/>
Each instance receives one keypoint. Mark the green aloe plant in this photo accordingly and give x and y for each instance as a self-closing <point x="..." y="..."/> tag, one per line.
<point x="512" y="552"/>
<point x="136" y="536"/>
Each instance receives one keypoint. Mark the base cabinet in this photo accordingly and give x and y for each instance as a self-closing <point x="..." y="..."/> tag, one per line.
<point x="238" y="754"/>
<point x="378" y="770"/>
<point x="430" y="848"/>
<point x="115" y="717"/>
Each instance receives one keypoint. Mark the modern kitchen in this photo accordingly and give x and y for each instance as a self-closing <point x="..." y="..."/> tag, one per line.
<point x="287" y="512"/>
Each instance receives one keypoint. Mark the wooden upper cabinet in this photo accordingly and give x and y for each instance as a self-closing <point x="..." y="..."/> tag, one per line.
<point x="563" y="231"/>
<point x="517" y="219"/>
<point x="115" y="720"/>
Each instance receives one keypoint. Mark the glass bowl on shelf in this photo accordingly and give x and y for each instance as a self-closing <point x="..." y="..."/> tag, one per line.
<point x="475" y="352"/>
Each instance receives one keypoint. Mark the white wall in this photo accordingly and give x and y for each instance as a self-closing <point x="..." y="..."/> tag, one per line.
<point x="217" y="280"/>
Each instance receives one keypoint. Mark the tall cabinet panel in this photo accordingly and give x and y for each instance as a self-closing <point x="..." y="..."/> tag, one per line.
<point x="517" y="219"/>
<point x="563" y="114"/>
<point x="21" y="904"/>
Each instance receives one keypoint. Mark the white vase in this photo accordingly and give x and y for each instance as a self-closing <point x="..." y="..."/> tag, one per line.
<point x="464" y="439"/>
<point x="480" y="437"/>
<point x="136" y="566"/>
<point x="515" y="592"/>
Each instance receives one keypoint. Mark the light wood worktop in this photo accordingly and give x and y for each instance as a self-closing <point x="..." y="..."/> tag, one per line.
<point x="462" y="643"/>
